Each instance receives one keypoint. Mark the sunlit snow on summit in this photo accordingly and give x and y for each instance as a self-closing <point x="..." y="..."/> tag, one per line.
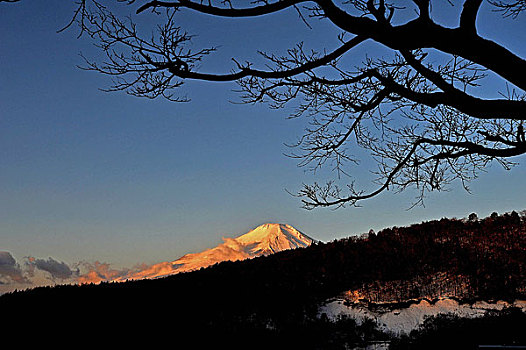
<point x="263" y="240"/>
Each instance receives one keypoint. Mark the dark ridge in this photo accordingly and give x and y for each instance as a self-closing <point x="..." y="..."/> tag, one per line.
<point x="274" y="299"/>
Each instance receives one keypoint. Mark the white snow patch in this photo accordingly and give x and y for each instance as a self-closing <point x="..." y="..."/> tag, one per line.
<point x="404" y="320"/>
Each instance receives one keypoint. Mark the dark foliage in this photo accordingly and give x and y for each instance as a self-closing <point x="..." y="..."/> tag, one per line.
<point x="274" y="299"/>
<point x="453" y="332"/>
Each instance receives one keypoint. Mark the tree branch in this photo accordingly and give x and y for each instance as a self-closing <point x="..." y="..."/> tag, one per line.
<point x="223" y="12"/>
<point x="420" y="122"/>
<point x="468" y="16"/>
<point x="418" y="33"/>
<point x="246" y="71"/>
<point x="473" y="106"/>
<point x="421" y="33"/>
<point x="468" y="148"/>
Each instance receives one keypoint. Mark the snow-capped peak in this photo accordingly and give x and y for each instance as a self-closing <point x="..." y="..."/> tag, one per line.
<point x="272" y="238"/>
<point x="263" y="240"/>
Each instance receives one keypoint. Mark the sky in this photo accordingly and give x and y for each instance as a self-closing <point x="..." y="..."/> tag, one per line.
<point x="90" y="177"/>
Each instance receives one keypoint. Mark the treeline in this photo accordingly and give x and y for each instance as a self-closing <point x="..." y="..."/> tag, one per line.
<point x="275" y="299"/>
<point x="432" y="286"/>
<point x="447" y="331"/>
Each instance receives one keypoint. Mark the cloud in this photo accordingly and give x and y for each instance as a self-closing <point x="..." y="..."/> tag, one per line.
<point x="10" y="270"/>
<point x="33" y="272"/>
<point x="57" y="269"/>
<point x="98" y="272"/>
<point x="36" y="272"/>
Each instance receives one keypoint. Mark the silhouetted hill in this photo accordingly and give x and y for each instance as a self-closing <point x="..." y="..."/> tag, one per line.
<point x="274" y="299"/>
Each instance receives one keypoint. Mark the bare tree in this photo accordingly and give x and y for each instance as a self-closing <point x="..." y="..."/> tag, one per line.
<point x="417" y="111"/>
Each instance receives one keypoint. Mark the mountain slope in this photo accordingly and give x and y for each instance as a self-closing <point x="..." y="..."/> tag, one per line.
<point x="263" y="240"/>
<point x="274" y="301"/>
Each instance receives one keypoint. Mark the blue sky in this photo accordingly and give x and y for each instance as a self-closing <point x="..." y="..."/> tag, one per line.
<point x="95" y="176"/>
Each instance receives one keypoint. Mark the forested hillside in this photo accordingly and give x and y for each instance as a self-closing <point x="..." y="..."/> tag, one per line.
<point x="276" y="298"/>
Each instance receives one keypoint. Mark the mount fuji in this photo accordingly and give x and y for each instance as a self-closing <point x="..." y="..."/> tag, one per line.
<point x="263" y="240"/>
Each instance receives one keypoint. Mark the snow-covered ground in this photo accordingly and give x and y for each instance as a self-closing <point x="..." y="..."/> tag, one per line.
<point x="404" y="320"/>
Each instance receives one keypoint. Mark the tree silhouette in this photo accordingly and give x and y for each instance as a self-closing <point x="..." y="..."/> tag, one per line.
<point x="419" y="111"/>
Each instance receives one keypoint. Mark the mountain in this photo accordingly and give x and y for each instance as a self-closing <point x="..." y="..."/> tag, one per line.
<point x="263" y="240"/>
<point x="336" y="295"/>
